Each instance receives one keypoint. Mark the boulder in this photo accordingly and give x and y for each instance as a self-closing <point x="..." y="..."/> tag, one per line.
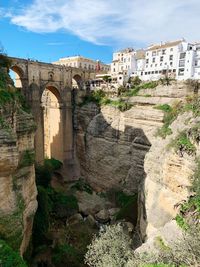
<point x="102" y="216"/>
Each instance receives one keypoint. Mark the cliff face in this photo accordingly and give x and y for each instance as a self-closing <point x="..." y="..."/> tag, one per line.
<point x="17" y="175"/>
<point x="111" y="146"/>
<point x="121" y="149"/>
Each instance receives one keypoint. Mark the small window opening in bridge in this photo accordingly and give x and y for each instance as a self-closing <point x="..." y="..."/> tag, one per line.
<point x="53" y="132"/>
<point x="16" y="76"/>
<point x="77" y="82"/>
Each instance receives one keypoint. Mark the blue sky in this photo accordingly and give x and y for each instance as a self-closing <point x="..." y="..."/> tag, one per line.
<point x="49" y="29"/>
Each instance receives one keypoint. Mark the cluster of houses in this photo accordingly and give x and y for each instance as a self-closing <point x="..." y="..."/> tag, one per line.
<point x="176" y="59"/>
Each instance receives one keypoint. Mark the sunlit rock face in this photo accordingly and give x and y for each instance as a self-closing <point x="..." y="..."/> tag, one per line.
<point x="111" y="145"/>
<point x="17" y="175"/>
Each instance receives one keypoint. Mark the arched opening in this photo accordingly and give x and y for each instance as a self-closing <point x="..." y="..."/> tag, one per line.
<point x="16" y="73"/>
<point x="52" y="117"/>
<point x="77" y="82"/>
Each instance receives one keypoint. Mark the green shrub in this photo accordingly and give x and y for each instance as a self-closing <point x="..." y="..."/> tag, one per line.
<point x="8" y="257"/>
<point x="27" y="158"/>
<point x="42" y="218"/>
<point x="81" y="185"/>
<point x="170" y="114"/>
<point x="183" y="144"/>
<point x="52" y="164"/>
<point x="149" y="85"/>
<point x="66" y="254"/>
<point x="43" y="176"/>
<point x="111" y="248"/>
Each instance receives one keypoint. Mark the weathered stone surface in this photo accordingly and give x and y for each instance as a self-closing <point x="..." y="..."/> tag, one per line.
<point x="111" y="148"/>
<point x="76" y="218"/>
<point x="91" y="221"/>
<point x="91" y="204"/>
<point x="18" y="190"/>
<point x="102" y="216"/>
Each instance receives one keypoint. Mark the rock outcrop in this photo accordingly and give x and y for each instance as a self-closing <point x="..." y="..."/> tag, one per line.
<point x="17" y="175"/>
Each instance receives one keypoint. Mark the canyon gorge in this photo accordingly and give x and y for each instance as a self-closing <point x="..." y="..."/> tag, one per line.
<point x="111" y="164"/>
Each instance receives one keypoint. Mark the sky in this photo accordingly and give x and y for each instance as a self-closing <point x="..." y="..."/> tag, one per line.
<point x="47" y="30"/>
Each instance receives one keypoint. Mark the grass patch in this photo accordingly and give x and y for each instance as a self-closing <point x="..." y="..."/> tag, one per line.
<point x="8" y="257"/>
<point x="183" y="144"/>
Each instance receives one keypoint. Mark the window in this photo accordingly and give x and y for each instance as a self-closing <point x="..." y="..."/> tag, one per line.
<point x="154" y="59"/>
<point x="147" y="61"/>
<point x="160" y="64"/>
<point x="196" y="63"/>
<point x="181" y="72"/>
<point x="145" y="73"/>
<point x="182" y="55"/>
<point x="151" y="65"/>
<point x="170" y="63"/>
<point x="154" y="53"/>
<point x="152" y="72"/>
<point x="124" y="60"/>
<point x="182" y="63"/>
<point x="156" y="65"/>
<point x="147" y="54"/>
<point x="142" y="73"/>
<point x="156" y="72"/>
<point x="114" y="70"/>
<point x="121" y="67"/>
<point x="149" y="72"/>
<point x="171" y="57"/>
<point x="146" y="66"/>
<point x="163" y="51"/>
<point x="171" y="49"/>
<point x="161" y="59"/>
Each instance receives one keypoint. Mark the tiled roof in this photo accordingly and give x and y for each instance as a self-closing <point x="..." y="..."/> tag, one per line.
<point x="164" y="45"/>
<point x="140" y="54"/>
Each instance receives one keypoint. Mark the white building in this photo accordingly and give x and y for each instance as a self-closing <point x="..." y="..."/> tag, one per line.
<point x="189" y="63"/>
<point x="123" y="64"/>
<point x="162" y="59"/>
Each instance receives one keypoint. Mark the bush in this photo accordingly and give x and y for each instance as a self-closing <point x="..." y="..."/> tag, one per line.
<point x="52" y="164"/>
<point x="67" y="255"/>
<point x="27" y="158"/>
<point x="111" y="248"/>
<point x="8" y="257"/>
<point x="183" y="144"/>
<point x="42" y="217"/>
<point x="81" y="185"/>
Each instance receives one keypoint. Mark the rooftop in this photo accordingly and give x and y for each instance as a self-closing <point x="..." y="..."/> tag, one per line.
<point x="165" y="45"/>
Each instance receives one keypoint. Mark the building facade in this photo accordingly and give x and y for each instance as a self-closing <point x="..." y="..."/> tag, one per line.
<point x="123" y="64"/>
<point x="84" y="63"/>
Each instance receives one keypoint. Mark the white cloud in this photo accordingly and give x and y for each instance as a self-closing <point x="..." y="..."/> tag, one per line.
<point x="117" y="23"/>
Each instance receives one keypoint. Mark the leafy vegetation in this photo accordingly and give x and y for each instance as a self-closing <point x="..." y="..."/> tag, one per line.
<point x="66" y="254"/>
<point x="8" y="257"/>
<point x="27" y="158"/>
<point x="183" y="144"/>
<point x="81" y="185"/>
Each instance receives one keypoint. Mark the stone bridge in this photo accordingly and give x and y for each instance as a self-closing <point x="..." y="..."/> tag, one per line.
<point x="48" y="90"/>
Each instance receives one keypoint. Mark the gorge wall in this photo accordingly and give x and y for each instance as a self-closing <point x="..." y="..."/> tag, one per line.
<point x="122" y="150"/>
<point x="17" y="174"/>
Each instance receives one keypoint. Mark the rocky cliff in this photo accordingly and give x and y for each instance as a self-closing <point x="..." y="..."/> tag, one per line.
<point x="123" y="150"/>
<point x="17" y="175"/>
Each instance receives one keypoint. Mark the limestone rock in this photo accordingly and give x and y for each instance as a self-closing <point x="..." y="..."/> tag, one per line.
<point x="103" y="216"/>
<point x="90" y="221"/>
<point x="90" y="204"/>
<point x="74" y="219"/>
<point x="18" y="190"/>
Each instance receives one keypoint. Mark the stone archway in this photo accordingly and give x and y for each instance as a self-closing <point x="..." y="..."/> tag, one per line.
<point x="77" y="82"/>
<point x="52" y="123"/>
<point x="17" y="75"/>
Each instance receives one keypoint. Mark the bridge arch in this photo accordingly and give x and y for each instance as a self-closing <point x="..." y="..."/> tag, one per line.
<point x="77" y="82"/>
<point x="17" y="74"/>
<point x="52" y="122"/>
